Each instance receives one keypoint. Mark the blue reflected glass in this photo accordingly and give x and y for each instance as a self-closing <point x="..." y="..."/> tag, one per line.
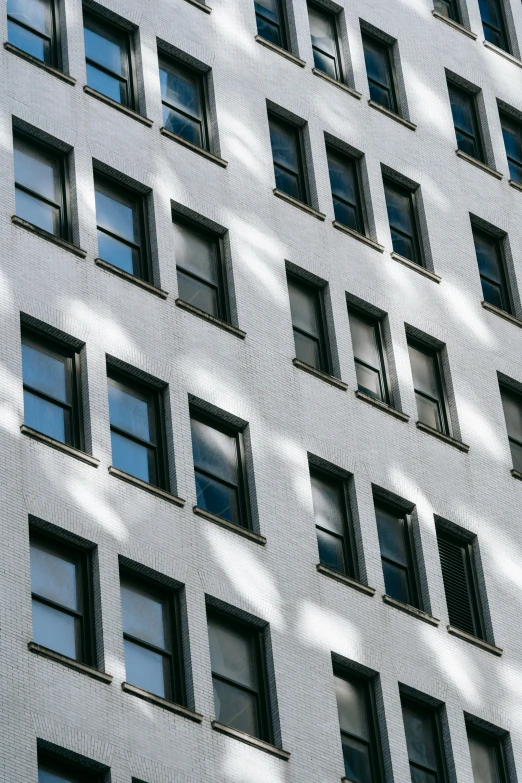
<point x="28" y="42"/>
<point x="131" y="457"/>
<point x="104" y="47"/>
<point x="182" y="126"/>
<point x="44" y="372"/>
<point x="118" y="253"/>
<point x="330" y="551"/>
<point x="46" y="776"/>
<point x="56" y="630"/>
<point x="107" y="85"/>
<point x="146" y="669"/>
<point x="214" y="451"/>
<point x="37" y="212"/>
<point x="128" y="412"/>
<point x="45" y="417"/>
<point x="268" y="30"/>
<point x="217" y="498"/>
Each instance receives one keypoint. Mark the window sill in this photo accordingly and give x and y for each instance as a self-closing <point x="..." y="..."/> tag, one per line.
<point x="356" y="235"/>
<point x="211" y="319"/>
<point x="202" y="6"/>
<point x="516" y="185"/>
<point x="21" y="223"/>
<point x="416" y="267"/>
<point x="90" y="671"/>
<point x="59" y="446"/>
<point x="131" y="278"/>
<point x="242" y="531"/>
<point x="475" y="640"/>
<point x="441" y="436"/>
<point x="298" y="204"/>
<point x="507" y="316"/>
<point x="323" y="376"/>
<point x="167" y="705"/>
<point x="412" y="610"/>
<point x="516" y="474"/>
<point x="194" y="147"/>
<point x="479" y="164"/>
<point x="502" y="53"/>
<point x="382" y="406"/>
<point x="392" y="115"/>
<point x="345" y="580"/>
<point x="39" y="64"/>
<point x="249" y="740"/>
<point x="337" y="83"/>
<point x="455" y="25"/>
<point x="279" y="50"/>
<point x="161" y="493"/>
<point x="118" y="106"/>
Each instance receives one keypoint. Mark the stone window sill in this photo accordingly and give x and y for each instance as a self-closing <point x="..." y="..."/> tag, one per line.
<point x="202" y="6"/>
<point x="299" y="204"/>
<point x="337" y="83"/>
<point x="516" y="185"/>
<point x="39" y="64"/>
<point x="90" y="671"/>
<point x="411" y="610"/>
<point x="21" y="223"/>
<point x="501" y="313"/>
<point x="441" y="436"/>
<point x="392" y="115"/>
<point x="474" y="640"/>
<point x="416" y="267"/>
<point x="211" y="319"/>
<point x="59" y="446"/>
<point x="242" y="531"/>
<point x="167" y="705"/>
<point x="323" y="376"/>
<point x="479" y="164"/>
<point x="345" y="580"/>
<point x="502" y="53"/>
<point x="279" y="50"/>
<point x="160" y="493"/>
<point x="131" y="278"/>
<point x="382" y="406"/>
<point x="359" y="237"/>
<point x="118" y="106"/>
<point x="249" y="740"/>
<point x="194" y="147"/>
<point x="455" y="25"/>
<point x="516" y="474"/>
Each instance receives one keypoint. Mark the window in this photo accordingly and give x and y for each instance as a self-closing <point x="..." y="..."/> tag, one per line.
<point x="512" y="133"/>
<point x="487" y="755"/>
<point x="237" y="658"/>
<point x="460" y="582"/>
<point x="449" y="9"/>
<point x="136" y="414"/>
<point x="50" y="373"/>
<point x="183" y="96"/>
<point x="402" y="215"/>
<point x="56" y="770"/>
<point x="121" y="224"/>
<point x="288" y="155"/>
<point x="199" y="265"/>
<point x="359" y="731"/>
<point x="333" y="522"/>
<point x="219" y="469"/>
<point x="346" y="190"/>
<point x="62" y="598"/>
<point x="32" y="27"/>
<point x="369" y="356"/>
<point x="490" y="259"/>
<point x="108" y="53"/>
<point x="271" y="22"/>
<point x="325" y="41"/>
<point x="308" y="323"/>
<point x="40" y="186"/>
<point x="424" y="741"/>
<point x="397" y="547"/>
<point x="465" y="119"/>
<point x="432" y="408"/>
<point x="512" y="404"/>
<point x="153" y="659"/>
<point x="380" y="72"/>
<point x="494" y="23"/>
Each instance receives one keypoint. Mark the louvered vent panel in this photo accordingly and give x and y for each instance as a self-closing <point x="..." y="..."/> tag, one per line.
<point x="452" y="560"/>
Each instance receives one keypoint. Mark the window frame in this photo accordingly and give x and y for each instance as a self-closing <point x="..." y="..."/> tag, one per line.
<point x="55" y="47"/>
<point x="470" y="567"/>
<point x="283" y="25"/>
<point x="514" y="126"/>
<point x="503" y="30"/>
<point x="492" y="739"/>
<point x="360" y="206"/>
<point x="443" y="402"/>
<point x="206" y="123"/>
<point x="452" y="5"/>
<point x="302" y="173"/>
<point x="505" y="290"/>
<point x="394" y="88"/>
<point x="339" y="61"/>
<point x="418" y="244"/>
<point x="412" y="568"/>
<point x="132" y="76"/>
<point x="323" y="341"/>
<point x="507" y="390"/>
<point x="478" y="138"/>
<point x="435" y="720"/>
<point x="377" y="323"/>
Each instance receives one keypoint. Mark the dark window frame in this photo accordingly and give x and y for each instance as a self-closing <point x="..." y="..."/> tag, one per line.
<point x="506" y="293"/>
<point x="339" y="60"/>
<point x="55" y="44"/>
<point x="413" y="199"/>
<point x="388" y="47"/>
<point x="488" y="737"/>
<point x="204" y="95"/>
<point x="514" y="126"/>
<point x="453" y="8"/>
<point x="127" y="35"/>
<point x="478" y="138"/>
<point x="412" y="568"/>
<point x="78" y="772"/>
<point x="443" y="402"/>
<point x="507" y="390"/>
<point x="502" y="31"/>
<point x="377" y="323"/>
<point x="302" y="172"/>
<point x="435" y="719"/>
<point x="282" y="24"/>
<point x="360" y="206"/>
<point x="325" y="352"/>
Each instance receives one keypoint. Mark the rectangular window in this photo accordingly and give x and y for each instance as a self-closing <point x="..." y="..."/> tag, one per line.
<point x="288" y="155"/>
<point x="32" y="27"/>
<point x="466" y="122"/>
<point x="494" y="23"/>
<point x="512" y="404"/>
<point x="199" y="264"/>
<point x="397" y="548"/>
<point x="109" y="56"/>
<point x="325" y="41"/>
<point x="137" y="431"/>
<point x="333" y="522"/>
<point x="512" y="133"/>
<point x="486" y="750"/>
<point x="40" y="185"/>
<point x="308" y="323"/>
<point x="359" y="730"/>
<point x="346" y="190"/>
<point x="184" y="101"/>
<point x="271" y="22"/>
<point x="56" y="770"/>
<point x="426" y="368"/>
<point x="62" y="598"/>
<point x="449" y="9"/>
<point x="369" y="356"/>
<point x="457" y="562"/>
<point x="424" y="742"/>
<point x="492" y="270"/>
<point x="402" y="216"/>
<point x="380" y="71"/>
<point x="237" y="658"/>
<point x="220" y="469"/>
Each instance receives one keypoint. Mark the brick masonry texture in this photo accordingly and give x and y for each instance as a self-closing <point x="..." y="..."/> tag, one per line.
<point x="290" y="413"/>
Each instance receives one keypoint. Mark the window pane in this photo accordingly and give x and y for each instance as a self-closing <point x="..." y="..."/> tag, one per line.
<point x="428" y="412"/>
<point x="107" y="85"/>
<point x="35" y="14"/>
<point x="119" y="254"/>
<point x="217" y="498"/>
<point x="231" y="653"/>
<point x="418" y="725"/>
<point x="270" y="9"/>
<point x="197" y="293"/>
<point x="56" y="630"/>
<point x="287" y="182"/>
<point x="105" y="46"/>
<point x="346" y="214"/>
<point x="492" y="294"/>
<point x="462" y="109"/>
<point x="516" y="455"/>
<point x="145" y="615"/>
<point x="488" y="255"/>
<point x="422" y="776"/>
<point x="28" y="42"/>
<point x="191" y="130"/>
<point x="54" y="576"/>
<point x="376" y="59"/>
<point x="36" y="170"/>
<point x="146" y="669"/>
<point x="364" y="341"/>
<point x="328" y="499"/>
<point x="181" y="88"/>
<point x="369" y="381"/>
<point x="46" y="417"/>
<point x="48" y="774"/>
<point x="396" y="582"/>
<point x="484" y="759"/>
<point x="236" y="708"/>
<point x="129" y="411"/>
<point x="45" y="372"/>
<point x="424" y="372"/>
<point x="351" y="707"/>
<point x="398" y="204"/>
<point x="214" y="451"/>
<point x="512" y="405"/>
<point x="196" y="253"/>
<point x="283" y="138"/>
<point x="116" y="213"/>
<point x="322" y="30"/>
<point x="390" y="528"/>
<point x="446" y="8"/>
<point x="382" y="96"/>
<point x="331" y="552"/>
<point x="303" y="308"/>
<point x="268" y="30"/>
<point x="307" y="350"/>
<point x="356" y="756"/>
<point x="133" y="458"/>
<point x="37" y="212"/>
<point x="325" y="63"/>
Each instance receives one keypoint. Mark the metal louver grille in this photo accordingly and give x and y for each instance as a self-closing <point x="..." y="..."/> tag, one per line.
<point x="457" y="585"/>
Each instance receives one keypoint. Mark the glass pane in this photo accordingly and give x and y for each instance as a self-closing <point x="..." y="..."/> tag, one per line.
<point x="398" y="204"/>
<point x="118" y="253"/>
<point x="147" y="669"/>
<point x="217" y="498"/>
<point x="516" y="455"/>
<point x="422" y="776"/>
<point x="49" y="774"/>
<point x="331" y="552"/>
<point x="303" y="308"/>
<point x="116" y="213"/>
<point x="484" y="759"/>
<point x="267" y="30"/>
<point x="214" y="451"/>
<point x="343" y="179"/>
<point x="376" y="59"/>
<point x="175" y="122"/>
<point x="489" y="258"/>
<point x="446" y="8"/>
<point x="490" y="13"/>
<point x="515" y="172"/>
<point x="468" y="144"/>
<point x="356" y="756"/>
<point x="36" y="170"/>
<point x="196" y="253"/>
<point x="328" y="499"/>
<point x="107" y="85"/>
<point x="133" y="458"/>
<point x="37" y="212"/>
<point x="322" y="30"/>
<point x="512" y="405"/>
<point x="418" y="725"/>
<point x="492" y="294"/>
<point x="424" y="372"/>
<point x="197" y="293"/>
<point x="105" y="46"/>
<point x="511" y="132"/>
<point x="307" y="350"/>
<point x="382" y="96"/>
<point x="46" y="372"/>
<point x="145" y="615"/>
<point x="364" y="341"/>
<point x="56" y="630"/>
<point x="181" y="87"/>
<point x="54" y="576"/>
<point x="236" y="708"/>
<point x="368" y="381"/>
<point x="428" y="412"/>
<point x="35" y="14"/>
<point x="28" y="42"/>
<point x="346" y="214"/>
<point x="285" y="145"/>
<point x="390" y="528"/>
<point x="396" y="582"/>
<point x="325" y="64"/>
<point x="351" y="707"/>
<point x="129" y="411"/>
<point x="287" y="182"/>
<point x="46" y="417"/>
<point x="231" y="653"/>
<point x="462" y="109"/>
<point x="404" y="246"/>
<point x="269" y="9"/>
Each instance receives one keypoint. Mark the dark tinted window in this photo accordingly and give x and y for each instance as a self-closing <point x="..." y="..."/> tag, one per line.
<point x="487" y="756"/>
<point x="421" y="726"/>
<point x="512" y="404"/>
<point x="308" y="324"/>
<point x="493" y="23"/>
<point x="346" y="190"/>
<point x="271" y="24"/>
<point x="120" y="223"/>
<point x="40" y="186"/>
<point x="184" y="104"/>
<point x="332" y="521"/>
<point x="379" y="69"/>
<point x="108" y="55"/>
<point x="396" y="545"/>
<point x="368" y="354"/>
<point x="512" y="133"/>
<point x="200" y="269"/>
<point x="357" y="723"/>
<point x="428" y="385"/>
<point x="325" y="43"/>
<point x="460" y="583"/>
<point x="465" y="120"/>
<point x="54" y="770"/>
<point x="288" y="158"/>
<point x="448" y="8"/>
<point x="31" y="26"/>
<point x="490" y="259"/>
<point x="400" y="203"/>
